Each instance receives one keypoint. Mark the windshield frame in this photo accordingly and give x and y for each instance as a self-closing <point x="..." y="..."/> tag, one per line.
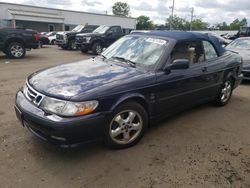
<point x="162" y="61"/>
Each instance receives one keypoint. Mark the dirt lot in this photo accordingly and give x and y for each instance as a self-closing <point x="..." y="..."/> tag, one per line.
<point x="204" y="147"/>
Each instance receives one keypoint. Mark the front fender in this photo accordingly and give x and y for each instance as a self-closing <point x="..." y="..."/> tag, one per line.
<point x="126" y="97"/>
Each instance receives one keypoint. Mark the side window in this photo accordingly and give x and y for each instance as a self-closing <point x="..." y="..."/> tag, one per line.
<point x="191" y="50"/>
<point x="115" y="30"/>
<point x="210" y="52"/>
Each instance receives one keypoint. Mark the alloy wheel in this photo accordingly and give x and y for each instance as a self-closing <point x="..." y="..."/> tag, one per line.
<point x="226" y="91"/>
<point x="126" y="126"/>
<point x="16" y="51"/>
<point x="98" y="49"/>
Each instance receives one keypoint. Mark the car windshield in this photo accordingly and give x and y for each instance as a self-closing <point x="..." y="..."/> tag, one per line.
<point x="240" y="44"/>
<point x="78" y="28"/>
<point x="140" y="50"/>
<point x="101" y="29"/>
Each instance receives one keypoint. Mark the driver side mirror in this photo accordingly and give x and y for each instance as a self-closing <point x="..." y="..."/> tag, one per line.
<point x="179" y="64"/>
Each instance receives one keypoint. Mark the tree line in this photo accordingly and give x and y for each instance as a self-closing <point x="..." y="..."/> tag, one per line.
<point x="175" y="22"/>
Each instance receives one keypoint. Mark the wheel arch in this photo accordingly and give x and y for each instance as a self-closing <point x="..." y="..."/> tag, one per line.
<point x="95" y="41"/>
<point x="10" y="40"/>
<point x="136" y="97"/>
<point x="230" y="75"/>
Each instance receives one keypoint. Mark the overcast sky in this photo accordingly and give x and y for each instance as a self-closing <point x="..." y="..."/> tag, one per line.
<point x="211" y="11"/>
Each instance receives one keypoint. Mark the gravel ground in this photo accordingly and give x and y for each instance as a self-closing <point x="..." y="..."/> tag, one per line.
<point x="203" y="147"/>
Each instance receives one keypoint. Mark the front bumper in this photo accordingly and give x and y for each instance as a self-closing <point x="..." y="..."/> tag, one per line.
<point x="246" y="73"/>
<point x="238" y="80"/>
<point x="62" y="131"/>
<point x="63" y="43"/>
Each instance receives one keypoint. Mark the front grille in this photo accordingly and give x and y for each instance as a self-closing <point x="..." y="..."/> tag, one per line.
<point x="59" y="37"/>
<point x="32" y="95"/>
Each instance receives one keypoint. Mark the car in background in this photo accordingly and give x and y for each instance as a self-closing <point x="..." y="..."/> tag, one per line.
<point x="44" y="40"/>
<point x="66" y="39"/>
<point x="43" y="33"/>
<point x="139" y="31"/>
<point x="100" y="38"/>
<point x="15" y="42"/>
<point x="52" y="37"/>
<point x="242" y="46"/>
<point x="135" y="82"/>
<point x="243" y="32"/>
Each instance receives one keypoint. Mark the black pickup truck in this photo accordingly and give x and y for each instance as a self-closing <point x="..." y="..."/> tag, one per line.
<point x="66" y="39"/>
<point x="100" y="38"/>
<point x="14" y="42"/>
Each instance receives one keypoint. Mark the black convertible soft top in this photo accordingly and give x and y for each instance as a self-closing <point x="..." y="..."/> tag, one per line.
<point x="184" y="36"/>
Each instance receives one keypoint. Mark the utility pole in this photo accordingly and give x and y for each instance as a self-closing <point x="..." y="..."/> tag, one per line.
<point x="192" y="16"/>
<point x="172" y="16"/>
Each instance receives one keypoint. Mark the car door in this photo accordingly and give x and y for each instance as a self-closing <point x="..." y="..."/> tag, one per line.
<point x="112" y="35"/>
<point x="213" y="70"/>
<point x="179" y="89"/>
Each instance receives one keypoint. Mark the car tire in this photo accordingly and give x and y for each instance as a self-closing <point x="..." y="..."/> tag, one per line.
<point x="72" y="45"/>
<point x="16" y="50"/>
<point x="225" y="93"/>
<point x="126" y="126"/>
<point x="53" y="42"/>
<point x="97" y="48"/>
<point x="40" y="44"/>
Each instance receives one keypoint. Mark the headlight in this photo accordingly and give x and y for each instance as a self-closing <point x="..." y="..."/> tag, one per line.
<point x="66" y="108"/>
<point x="88" y="39"/>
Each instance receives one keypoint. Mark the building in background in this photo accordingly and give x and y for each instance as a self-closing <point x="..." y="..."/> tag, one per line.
<point x="50" y="19"/>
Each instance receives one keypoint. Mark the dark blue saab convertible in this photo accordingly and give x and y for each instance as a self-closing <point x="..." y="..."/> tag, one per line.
<point x="139" y="79"/>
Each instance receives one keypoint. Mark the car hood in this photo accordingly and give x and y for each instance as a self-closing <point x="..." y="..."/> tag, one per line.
<point x="63" y="32"/>
<point x="244" y="53"/>
<point x="87" y="76"/>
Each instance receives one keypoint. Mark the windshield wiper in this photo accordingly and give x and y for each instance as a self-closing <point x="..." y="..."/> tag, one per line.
<point x="131" y="63"/>
<point x="103" y="56"/>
